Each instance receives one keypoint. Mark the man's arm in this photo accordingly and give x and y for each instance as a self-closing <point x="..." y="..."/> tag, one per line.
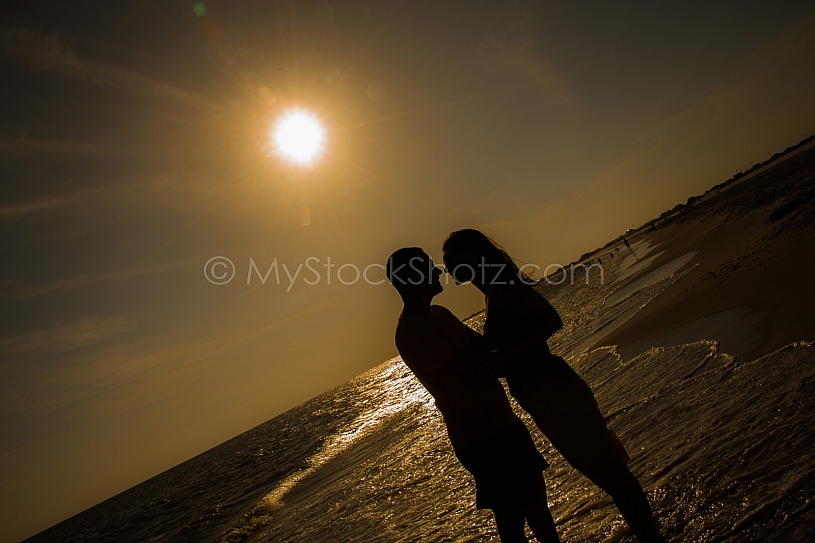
<point x="428" y="352"/>
<point x="466" y="361"/>
<point x="475" y="360"/>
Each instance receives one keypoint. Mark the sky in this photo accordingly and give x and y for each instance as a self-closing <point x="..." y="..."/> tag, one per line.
<point x="135" y="146"/>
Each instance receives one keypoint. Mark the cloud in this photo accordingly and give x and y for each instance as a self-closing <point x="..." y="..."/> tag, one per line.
<point x="763" y="109"/>
<point x="47" y="53"/>
<point x="22" y="292"/>
<point x="516" y="50"/>
<point x="24" y="145"/>
<point x="61" y="339"/>
<point x="96" y="367"/>
<point x="21" y="209"/>
<point x="159" y="189"/>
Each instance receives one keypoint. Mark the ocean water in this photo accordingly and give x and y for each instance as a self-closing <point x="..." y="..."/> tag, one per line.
<point x="723" y="447"/>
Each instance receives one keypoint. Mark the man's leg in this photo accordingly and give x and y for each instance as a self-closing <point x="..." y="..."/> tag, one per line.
<point x="538" y="515"/>
<point x="511" y="523"/>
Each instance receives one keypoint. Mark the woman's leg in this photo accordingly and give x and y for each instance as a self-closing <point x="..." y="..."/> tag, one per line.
<point x="567" y="413"/>
<point x="538" y="515"/>
<point x="511" y="523"/>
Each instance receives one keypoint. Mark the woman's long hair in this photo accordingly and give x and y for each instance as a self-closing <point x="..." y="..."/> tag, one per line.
<point x="485" y="247"/>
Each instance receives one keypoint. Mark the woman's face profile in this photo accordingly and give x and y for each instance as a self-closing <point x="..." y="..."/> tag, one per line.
<point x="462" y="265"/>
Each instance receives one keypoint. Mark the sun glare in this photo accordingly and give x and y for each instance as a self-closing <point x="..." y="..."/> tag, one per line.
<point x="299" y="137"/>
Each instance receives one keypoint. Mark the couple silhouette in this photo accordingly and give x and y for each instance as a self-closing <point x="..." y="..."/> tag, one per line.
<point x="460" y="369"/>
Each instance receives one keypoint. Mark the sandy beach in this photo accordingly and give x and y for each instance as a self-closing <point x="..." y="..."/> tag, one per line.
<point x="751" y="289"/>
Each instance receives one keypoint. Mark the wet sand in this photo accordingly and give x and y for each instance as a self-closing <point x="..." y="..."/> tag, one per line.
<point x="753" y="285"/>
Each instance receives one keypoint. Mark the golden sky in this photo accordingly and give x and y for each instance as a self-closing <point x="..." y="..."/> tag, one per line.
<point x="134" y="147"/>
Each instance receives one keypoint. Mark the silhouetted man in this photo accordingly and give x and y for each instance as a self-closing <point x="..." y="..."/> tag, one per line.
<point x="487" y="438"/>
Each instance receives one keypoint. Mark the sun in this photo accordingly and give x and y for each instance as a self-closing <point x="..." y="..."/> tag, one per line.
<point x="299" y="137"/>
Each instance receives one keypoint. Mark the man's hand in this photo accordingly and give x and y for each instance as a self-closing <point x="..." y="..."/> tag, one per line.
<point x="489" y="364"/>
<point x="479" y="364"/>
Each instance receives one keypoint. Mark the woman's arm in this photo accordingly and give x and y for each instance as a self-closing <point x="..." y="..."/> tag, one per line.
<point x="538" y="334"/>
<point x="543" y="320"/>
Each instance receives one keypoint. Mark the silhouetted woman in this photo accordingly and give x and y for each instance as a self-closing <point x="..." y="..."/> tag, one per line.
<point x="519" y="321"/>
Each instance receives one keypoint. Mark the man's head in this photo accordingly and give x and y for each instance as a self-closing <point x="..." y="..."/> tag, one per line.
<point x="412" y="272"/>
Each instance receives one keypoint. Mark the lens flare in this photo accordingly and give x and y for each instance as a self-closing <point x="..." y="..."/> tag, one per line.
<point x="299" y="137"/>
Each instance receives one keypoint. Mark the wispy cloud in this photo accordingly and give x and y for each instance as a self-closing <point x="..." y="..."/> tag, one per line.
<point x="62" y="338"/>
<point x="26" y="291"/>
<point x="728" y="127"/>
<point x="515" y="49"/>
<point x="21" y="209"/>
<point x="95" y="365"/>
<point x="25" y="145"/>
<point x="163" y="189"/>
<point x="39" y="51"/>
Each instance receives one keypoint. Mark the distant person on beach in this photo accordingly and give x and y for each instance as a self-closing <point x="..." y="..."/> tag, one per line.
<point x="626" y="243"/>
<point x="519" y="321"/>
<point x="489" y="440"/>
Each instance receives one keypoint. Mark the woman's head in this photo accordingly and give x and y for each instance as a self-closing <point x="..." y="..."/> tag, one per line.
<point x="471" y="256"/>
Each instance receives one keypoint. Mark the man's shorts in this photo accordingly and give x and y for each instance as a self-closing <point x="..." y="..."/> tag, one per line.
<point x="505" y="466"/>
